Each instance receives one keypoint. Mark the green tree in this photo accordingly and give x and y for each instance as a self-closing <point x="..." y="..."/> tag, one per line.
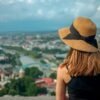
<point x="23" y="87"/>
<point x="53" y="75"/>
<point x="33" y="72"/>
<point x="32" y="90"/>
<point x="3" y="92"/>
<point x="12" y="92"/>
<point x="42" y="90"/>
<point x="53" y="93"/>
<point x="18" y="86"/>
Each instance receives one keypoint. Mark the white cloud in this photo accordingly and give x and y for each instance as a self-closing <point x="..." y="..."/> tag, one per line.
<point x="98" y="9"/>
<point x="97" y="14"/>
<point x="4" y="2"/>
<point x="21" y="0"/>
<point x="66" y="10"/>
<point x="30" y="1"/>
<point x="42" y="1"/>
<point x="51" y="14"/>
<point x="87" y="8"/>
<point x="40" y="12"/>
<point x="49" y="9"/>
<point x="11" y="1"/>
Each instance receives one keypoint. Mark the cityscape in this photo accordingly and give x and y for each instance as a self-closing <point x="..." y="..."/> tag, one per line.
<point x="18" y="52"/>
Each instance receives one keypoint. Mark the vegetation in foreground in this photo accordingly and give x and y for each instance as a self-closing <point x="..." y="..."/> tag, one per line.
<point x="26" y="86"/>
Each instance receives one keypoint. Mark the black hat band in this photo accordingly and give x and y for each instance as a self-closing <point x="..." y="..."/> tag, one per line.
<point x="74" y="35"/>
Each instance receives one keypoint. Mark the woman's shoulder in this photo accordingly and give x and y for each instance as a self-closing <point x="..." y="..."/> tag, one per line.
<point x="63" y="73"/>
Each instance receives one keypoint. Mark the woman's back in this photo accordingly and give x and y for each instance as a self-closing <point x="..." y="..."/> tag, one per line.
<point x="85" y="87"/>
<point x="84" y="71"/>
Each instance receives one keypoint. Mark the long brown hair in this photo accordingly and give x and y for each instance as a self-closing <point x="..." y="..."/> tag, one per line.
<point x="82" y="63"/>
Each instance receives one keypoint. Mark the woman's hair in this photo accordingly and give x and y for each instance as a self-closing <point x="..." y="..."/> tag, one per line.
<point x="82" y="63"/>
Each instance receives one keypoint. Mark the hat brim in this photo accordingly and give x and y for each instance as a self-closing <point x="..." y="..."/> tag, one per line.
<point x="76" y="44"/>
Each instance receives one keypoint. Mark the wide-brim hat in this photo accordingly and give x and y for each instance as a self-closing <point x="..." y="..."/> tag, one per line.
<point x="80" y="35"/>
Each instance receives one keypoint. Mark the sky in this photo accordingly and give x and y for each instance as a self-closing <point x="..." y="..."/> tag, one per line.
<point x="45" y="15"/>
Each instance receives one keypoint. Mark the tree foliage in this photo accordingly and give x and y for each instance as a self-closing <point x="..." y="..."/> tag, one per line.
<point x="33" y="72"/>
<point x="22" y="86"/>
<point x="53" y="75"/>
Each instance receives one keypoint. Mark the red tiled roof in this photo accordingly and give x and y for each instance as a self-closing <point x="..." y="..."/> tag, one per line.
<point x="46" y="80"/>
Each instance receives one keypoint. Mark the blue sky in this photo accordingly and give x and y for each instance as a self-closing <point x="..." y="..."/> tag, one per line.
<point x="45" y="15"/>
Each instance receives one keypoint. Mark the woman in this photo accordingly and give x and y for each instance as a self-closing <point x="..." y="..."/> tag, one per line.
<point x="80" y="71"/>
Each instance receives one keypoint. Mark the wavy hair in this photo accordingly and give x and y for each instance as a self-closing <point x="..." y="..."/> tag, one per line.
<point x="81" y="63"/>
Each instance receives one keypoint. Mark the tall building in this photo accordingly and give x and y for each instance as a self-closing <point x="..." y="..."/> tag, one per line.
<point x="21" y="73"/>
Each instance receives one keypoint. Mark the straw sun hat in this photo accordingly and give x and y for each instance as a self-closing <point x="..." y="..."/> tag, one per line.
<point x="80" y="35"/>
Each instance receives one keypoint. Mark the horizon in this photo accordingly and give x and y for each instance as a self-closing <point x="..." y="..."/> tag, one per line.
<point x="38" y="31"/>
<point x="43" y="31"/>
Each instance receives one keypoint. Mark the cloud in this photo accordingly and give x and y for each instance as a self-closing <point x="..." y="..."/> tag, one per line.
<point x="30" y="1"/>
<point x="21" y="0"/>
<point x="98" y="9"/>
<point x="40" y="12"/>
<point x="42" y="1"/>
<point x="58" y="10"/>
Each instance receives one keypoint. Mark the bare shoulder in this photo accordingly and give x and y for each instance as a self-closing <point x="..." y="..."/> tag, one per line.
<point x="62" y="73"/>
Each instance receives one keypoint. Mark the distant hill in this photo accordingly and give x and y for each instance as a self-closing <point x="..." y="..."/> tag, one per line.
<point x="34" y="32"/>
<point x="26" y="33"/>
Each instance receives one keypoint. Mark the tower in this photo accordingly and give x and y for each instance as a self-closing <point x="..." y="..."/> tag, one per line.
<point x="21" y="73"/>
